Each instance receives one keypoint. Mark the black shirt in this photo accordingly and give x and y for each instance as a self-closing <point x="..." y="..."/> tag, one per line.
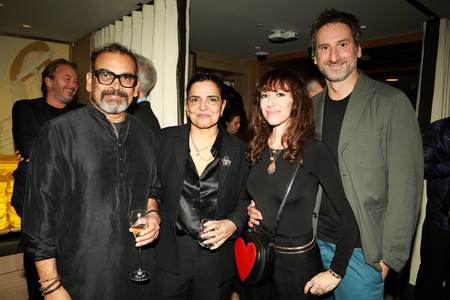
<point x="296" y="226"/>
<point x="199" y="194"/>
<point x="329" y="223"/>
<point x="82" y="183"/>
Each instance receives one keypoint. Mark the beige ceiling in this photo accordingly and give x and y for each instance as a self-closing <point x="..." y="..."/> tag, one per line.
<point x="225" y="28"/>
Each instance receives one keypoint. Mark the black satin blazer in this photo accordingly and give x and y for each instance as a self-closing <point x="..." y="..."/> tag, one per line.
<point x="232" y="202"/>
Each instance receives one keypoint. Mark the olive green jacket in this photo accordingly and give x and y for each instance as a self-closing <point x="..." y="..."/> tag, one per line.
<point x="381" y="163"/>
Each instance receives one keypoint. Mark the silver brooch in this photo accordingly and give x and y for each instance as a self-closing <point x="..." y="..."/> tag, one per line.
<point x="226" y="161"/>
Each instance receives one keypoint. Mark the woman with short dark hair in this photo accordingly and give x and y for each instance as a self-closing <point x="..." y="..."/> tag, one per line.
<point x="203" y="172"/>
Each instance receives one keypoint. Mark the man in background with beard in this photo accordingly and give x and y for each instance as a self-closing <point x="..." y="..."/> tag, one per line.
<point x="88" y="170"/>
<point x="59" y="86"/>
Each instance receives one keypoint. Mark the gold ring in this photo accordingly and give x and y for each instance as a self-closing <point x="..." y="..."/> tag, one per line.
<point x="218" y="225"/>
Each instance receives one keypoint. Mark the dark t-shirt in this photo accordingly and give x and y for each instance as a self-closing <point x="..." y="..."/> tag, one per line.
<point x="329" y="223"/>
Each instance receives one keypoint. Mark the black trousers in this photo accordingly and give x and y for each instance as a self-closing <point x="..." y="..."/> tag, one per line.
<point x="435" y="263"/>
<point x="198" y="276"/>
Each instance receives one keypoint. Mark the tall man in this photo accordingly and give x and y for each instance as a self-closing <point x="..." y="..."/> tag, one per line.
<point x="59" y="85"/>
<point x="88" y="170"/>
<point x="141" y="108"/>
<point x="374" y="135"/>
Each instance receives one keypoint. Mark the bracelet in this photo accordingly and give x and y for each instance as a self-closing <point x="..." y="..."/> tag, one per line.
<point x="51" y="279"/>
<point x="50" y="285"/>
<point x="334" y="274"/>
<point x="51" y="291"/>
<point x="150" y="211"/>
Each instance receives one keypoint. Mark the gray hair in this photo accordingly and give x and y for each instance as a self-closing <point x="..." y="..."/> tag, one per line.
<point x="146" y="74"/>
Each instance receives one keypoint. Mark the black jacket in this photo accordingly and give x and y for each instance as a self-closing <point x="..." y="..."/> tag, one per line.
<point x="232" y="202"/>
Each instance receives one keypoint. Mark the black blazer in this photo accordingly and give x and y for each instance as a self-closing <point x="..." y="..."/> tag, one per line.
<point x="144" y="112"/>
<point x="232" y="202"/>
<point x="28" y="117"/>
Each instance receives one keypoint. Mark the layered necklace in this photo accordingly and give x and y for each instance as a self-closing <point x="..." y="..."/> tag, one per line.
<point x="197" y="151"/>
<point x="273" y="157"/>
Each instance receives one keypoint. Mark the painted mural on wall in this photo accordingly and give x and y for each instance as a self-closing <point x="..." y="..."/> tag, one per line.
<point x="21" y="64"/>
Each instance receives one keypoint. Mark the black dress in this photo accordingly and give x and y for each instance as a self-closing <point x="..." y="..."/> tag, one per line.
<point x="294" y="270"/>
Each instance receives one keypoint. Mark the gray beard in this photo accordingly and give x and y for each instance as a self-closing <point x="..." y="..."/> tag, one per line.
<point x="113" y="107"/>
<point x="346" y="75"/>
<point x="331" y="79"/>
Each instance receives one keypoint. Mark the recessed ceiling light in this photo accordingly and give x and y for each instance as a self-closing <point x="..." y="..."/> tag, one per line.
<point x="363" y="26"/>
<point x="392" y="79"/>
<point x="26" y="26"/>
<point x="1" y="4"/>
<point x="257" y="47"/>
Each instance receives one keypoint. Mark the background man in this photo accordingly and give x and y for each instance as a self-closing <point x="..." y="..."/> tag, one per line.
<point x="141" y="108"/>
<point x="435" y="247"/>
<point x="372" y="130"/>
<point x="59" y="85"/>
<point x="88" y="170"/>
<point x="314" y="85"/>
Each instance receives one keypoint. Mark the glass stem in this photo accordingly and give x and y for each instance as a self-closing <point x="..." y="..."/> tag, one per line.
<point x="140" y="260"/>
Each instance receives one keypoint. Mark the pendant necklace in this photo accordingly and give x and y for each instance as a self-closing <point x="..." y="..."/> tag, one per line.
<point x="273" y="157"/>
<point x="198" y="150"/>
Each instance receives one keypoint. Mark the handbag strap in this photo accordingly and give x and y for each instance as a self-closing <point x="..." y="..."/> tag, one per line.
<point x="283" y="203"/>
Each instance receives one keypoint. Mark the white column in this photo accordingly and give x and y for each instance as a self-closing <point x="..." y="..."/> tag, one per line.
<point x="118" y="29"/>
<point x="136" y="35"/>
<point x="126" y="31"/>
<point x="148" y="22"/>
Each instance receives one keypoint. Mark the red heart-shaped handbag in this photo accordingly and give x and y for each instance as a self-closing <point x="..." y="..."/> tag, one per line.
<point x="255" y="258"/>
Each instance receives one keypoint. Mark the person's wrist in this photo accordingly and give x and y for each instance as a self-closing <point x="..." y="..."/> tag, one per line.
<point x="155" y="215"/>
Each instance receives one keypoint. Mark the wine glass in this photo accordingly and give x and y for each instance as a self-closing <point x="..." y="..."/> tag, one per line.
<point x="201" y="241"/>
<point x="139" y="222"/>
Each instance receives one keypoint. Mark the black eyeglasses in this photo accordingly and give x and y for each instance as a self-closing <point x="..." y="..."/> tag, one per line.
<point x="106" y="78"/>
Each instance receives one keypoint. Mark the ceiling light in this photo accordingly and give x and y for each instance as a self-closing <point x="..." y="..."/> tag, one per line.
<point x="26" y="26"/>
<point x="1" y="4"/>
<point x="280" y="36"/>
<point x="392" y="79"/>
<point x="363" y="26"/>
<point x="257" y="47"/>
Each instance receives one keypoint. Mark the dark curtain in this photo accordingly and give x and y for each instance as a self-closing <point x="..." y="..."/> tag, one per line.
<point x="430" y="50"/>
<point x="181" y="65"/>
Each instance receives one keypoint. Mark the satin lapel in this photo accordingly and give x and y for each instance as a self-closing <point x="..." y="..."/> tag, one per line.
<point x="355" y="108"/>
<point x="180" y="144"/>
<point x="228" y="157"/>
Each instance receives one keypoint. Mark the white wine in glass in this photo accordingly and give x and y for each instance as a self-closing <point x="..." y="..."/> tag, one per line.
<point x="139" y="222"/>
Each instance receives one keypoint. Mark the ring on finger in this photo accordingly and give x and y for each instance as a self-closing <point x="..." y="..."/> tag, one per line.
<point x="218" y="225"/>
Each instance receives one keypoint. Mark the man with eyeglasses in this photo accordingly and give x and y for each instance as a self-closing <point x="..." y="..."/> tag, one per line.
<point x="88" y="170"/>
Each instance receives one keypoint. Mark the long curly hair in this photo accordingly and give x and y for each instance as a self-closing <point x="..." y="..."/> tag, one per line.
<point x="301" y="128"/>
